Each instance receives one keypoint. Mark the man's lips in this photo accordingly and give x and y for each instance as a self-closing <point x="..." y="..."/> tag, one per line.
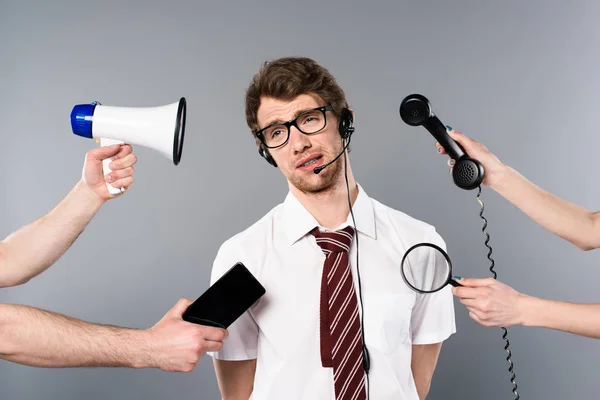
<point x="312" y="160"/>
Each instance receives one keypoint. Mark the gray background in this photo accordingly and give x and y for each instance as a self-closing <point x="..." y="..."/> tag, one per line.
<point x="522" y="77"/>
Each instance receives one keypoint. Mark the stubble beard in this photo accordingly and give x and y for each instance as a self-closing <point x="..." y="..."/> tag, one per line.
<point x="327" y="180"/>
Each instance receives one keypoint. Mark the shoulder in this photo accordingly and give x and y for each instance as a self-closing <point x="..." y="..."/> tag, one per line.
<point x="405" y="225"/>
<point x="248" y="245"/>
<point x="399" y="217"/>
<point x="259" y="229"/>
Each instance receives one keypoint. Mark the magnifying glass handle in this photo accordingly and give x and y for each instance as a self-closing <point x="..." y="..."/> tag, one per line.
<point x="454" y="283"/>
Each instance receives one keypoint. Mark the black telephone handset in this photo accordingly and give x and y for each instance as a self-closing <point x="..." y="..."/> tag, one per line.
<point x="468" y="174"/>
<point x="415" y="110"/>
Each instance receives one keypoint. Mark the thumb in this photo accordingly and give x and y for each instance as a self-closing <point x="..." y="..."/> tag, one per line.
<point x="466" y="142"/>
<point x="179" y="308"/>
<point x="458" y="136"/>
<point x="104" y="152"/>
<point x="475" y="282"/>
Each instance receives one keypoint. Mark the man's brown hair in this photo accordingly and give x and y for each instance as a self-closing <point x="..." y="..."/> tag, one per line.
<point x="289" y="77"/>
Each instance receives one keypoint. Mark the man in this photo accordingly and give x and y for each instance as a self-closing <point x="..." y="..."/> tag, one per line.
<point x="304" y="338"/>
<point x="492" y="303"/>
<point x="35" y="337"/>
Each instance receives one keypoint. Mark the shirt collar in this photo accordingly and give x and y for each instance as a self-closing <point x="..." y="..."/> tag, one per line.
<point x="298" y="221"/>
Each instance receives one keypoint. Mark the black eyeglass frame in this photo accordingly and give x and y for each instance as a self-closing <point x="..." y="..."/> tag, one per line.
<point x="293" y="122"/>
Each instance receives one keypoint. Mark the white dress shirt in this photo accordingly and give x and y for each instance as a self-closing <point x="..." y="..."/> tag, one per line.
<point x="281" y="330"/>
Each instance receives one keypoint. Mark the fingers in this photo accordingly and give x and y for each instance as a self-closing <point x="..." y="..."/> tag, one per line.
<point x="476" y="318"/>
<point x="124" y="150"/>
<point x="114" y="152"/>
<point x="127" y="160"/>
<point x="121" y="175"/>
<point x="440" y="148"/>
<point x="215" y="334"/>
<point x="212" y="346"/>
<point x="118" y="174"/>
<point x="477" y="282"/>
<point x="480" y="307"/>
<point x="466" y="292"/>
<point x="457" y="136"/>
<point x="477" y="292"/>
<point x="470" y="303"/>
<point x="124" y="183"/>
<point x="461" y="138"/>
<point x="104" y="152"/>
<point x="179" y="308"/>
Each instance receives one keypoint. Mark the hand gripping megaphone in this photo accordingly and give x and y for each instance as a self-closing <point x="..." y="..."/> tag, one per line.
<point x="160" y="128"/>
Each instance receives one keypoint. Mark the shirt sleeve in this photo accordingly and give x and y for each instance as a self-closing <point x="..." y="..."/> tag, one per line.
<point x="242" y="342"/>
<point x="433" y="318"/>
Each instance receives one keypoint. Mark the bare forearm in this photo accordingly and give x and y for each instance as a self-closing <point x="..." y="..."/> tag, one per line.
<point x="424" y="360"/>
<point x="565" y="219"/>
<point x="40" y="338"/>
<point x="36" y="246"/>
<point x="576" y="318"/>
<point x="235" y="378"/>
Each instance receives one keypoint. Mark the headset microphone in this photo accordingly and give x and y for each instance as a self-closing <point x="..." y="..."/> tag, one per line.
<point x="320" y="168"/>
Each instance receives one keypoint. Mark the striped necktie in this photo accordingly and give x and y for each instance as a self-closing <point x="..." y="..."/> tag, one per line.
<point x="341" y="340"/>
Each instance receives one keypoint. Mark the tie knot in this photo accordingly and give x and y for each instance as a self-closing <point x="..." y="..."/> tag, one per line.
<point x="334" y="242"/>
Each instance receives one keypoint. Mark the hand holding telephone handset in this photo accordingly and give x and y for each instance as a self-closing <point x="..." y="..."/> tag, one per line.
<point x="416" y="110"/>
<point x="226" y="299"/>
<point x="468" y="174"/>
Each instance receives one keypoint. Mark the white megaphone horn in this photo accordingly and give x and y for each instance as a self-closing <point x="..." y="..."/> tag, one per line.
<point x="160" y="128"/>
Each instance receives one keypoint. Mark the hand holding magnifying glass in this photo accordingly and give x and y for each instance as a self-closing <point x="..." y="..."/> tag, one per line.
<point x="426" y="268"/>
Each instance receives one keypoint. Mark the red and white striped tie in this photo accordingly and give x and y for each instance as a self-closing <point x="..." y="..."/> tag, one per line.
<point x="341" y="340"/>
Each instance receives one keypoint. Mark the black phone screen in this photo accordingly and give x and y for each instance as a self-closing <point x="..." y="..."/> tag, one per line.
<point x="227" y="299"/>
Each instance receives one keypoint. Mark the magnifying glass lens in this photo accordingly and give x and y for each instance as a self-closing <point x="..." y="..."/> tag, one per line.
<point x="426" y="268"/>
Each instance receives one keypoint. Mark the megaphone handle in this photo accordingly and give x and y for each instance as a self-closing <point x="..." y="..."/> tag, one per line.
<point x="106" y="163"/>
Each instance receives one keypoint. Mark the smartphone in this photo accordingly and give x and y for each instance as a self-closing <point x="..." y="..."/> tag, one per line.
<point x="226" y="299"/>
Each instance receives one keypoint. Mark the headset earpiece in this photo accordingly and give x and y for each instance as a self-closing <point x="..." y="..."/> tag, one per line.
<point x="346" y="127"/>
<point x="264" y="153"/>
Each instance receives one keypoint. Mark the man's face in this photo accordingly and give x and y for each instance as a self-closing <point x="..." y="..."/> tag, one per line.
<point x="303" y="153"/>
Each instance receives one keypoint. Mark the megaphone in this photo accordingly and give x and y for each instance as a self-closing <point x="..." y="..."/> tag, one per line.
<point x="161" y="128"/>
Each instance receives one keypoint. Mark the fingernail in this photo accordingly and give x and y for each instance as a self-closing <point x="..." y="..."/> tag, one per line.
<point x="451" y="162"/>
<point x="448" y="127"/>
<point x="108" y="178"/>
<point x="456" y="277"/>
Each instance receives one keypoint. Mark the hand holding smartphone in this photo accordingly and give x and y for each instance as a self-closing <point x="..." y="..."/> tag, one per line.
<point x="227" y="299"/>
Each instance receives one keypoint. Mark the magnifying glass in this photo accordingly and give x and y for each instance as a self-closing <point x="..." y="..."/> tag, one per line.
<point x="426" y="268"/>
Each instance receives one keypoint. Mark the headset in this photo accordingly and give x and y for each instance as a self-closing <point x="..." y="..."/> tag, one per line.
<point x="345" y="129"/>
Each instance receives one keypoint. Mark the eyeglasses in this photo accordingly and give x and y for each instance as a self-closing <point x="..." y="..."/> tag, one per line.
<point x="309" y="122"/>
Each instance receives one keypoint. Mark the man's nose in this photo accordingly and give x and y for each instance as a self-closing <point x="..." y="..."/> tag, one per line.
<point x="298" y="140"/>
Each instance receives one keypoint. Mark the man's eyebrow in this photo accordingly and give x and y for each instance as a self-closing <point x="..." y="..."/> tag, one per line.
<point x="296" y="114"/>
